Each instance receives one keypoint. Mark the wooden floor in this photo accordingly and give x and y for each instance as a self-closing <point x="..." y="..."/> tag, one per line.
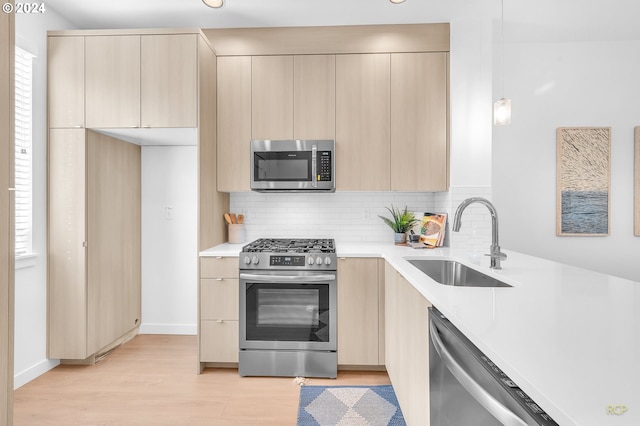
<point x="152" y="381"/>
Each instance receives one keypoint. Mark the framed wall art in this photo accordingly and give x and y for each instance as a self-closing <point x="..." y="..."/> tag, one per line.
<point x="583" y="167"/>
<point x="636" y="185"/>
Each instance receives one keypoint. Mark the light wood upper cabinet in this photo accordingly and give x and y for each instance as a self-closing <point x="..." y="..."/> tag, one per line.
<point x="359" y="303"/>
<point x="314" y="97"/>
<point x="272" y="97"/>
<point x="112" y="81"/>
<point x="65" y="71"/>
<point x="169" y="85"/>
<point x="234" y="122"/>
<point x="362" y="122"/>
<point x="419" y="118"/>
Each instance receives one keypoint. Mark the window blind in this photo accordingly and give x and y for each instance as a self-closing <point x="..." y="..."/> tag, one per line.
<point x="23" y="147"/>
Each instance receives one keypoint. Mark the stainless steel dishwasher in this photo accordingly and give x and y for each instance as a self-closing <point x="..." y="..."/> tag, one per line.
<point x="466" y="388"/>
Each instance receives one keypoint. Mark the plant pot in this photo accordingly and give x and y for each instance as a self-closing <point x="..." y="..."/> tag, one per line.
<point x="399" y="238"/>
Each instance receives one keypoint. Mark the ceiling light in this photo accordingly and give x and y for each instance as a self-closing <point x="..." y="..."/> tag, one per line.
<point x="213" y="3"/>
<point x="396" y="1"/>
<point x="502" y="107"/>
<point x="502" y="112"/>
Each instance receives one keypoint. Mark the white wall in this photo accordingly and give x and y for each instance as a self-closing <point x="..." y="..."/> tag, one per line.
<point x="558" y="85"/>
<point x="30" y="280"/>
<point x="169" y="239"/>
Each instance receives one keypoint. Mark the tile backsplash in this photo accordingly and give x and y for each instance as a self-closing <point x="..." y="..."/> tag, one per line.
<point x="353" y="216"/>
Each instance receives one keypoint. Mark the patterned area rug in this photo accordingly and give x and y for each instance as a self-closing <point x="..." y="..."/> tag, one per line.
<point x="349" y="405"/>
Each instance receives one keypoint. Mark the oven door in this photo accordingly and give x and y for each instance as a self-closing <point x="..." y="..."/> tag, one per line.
<point x="288" y="310"/>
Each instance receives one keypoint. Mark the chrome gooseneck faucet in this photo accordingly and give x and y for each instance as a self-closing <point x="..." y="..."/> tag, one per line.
<point x="496" y="255"/>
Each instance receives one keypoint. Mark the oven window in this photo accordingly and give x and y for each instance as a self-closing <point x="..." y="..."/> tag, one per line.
<point x="287" y="312"/>
<point x="282" y="166"/>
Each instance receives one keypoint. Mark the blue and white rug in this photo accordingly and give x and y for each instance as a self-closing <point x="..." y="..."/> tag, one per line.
<point x="349" y="405"/>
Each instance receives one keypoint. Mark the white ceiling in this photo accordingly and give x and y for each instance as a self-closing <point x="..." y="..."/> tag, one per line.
<point x="525" y="20"/>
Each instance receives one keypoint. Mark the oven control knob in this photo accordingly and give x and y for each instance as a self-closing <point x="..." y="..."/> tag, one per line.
<point x="327" y="261"/>
<point x="310" y="260"/>
<point x="318" y="261"/>
<point x="255" y="260"/>
<point x="247" y="260"/>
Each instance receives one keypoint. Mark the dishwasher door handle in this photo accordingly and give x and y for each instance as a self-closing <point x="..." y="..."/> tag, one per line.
<point x="484" y="398"/>
<point x="297" y="278"/>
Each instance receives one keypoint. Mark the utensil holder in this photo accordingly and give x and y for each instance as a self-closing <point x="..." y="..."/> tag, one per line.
<point x="236" y="233"/>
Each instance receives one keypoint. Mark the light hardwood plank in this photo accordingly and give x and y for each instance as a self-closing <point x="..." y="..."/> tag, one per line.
<point x="150" y="380"/>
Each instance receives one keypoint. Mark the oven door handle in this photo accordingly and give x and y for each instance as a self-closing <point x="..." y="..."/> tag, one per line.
<point x="296" y="278"/>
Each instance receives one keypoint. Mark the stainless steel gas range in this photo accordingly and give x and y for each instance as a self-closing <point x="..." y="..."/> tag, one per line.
<point x="288" y="304"/>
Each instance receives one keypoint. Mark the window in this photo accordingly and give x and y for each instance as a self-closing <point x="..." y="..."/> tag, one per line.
<point x="23" y="132"/>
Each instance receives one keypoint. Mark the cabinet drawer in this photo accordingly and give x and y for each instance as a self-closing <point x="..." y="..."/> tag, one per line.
<point x="219" y="299"/>
<point x="218" y="267"/>
<point x="219" y="341"/>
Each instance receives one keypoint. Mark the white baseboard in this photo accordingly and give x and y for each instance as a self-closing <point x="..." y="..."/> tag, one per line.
<point x="188" y="329"/>
<point x="31" y="373"/>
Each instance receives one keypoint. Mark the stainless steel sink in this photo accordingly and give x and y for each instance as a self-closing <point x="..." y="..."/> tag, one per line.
<point x="450" y="272"/>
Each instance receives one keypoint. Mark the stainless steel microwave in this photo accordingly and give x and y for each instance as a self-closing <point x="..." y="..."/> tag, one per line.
<point x="293" y="165"/>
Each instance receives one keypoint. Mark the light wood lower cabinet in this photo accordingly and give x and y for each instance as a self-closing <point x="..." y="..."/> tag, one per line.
<point x="360" y="309"/>
<point x="218" y="310"/>
<point x="407" y="346"/>
<point x="94" y="284"/>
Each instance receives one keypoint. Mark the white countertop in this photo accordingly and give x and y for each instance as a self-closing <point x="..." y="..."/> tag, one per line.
<point x="569" y="337"/>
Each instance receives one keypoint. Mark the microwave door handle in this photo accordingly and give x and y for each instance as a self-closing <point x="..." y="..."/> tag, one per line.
<point x="314" y="165"/>
<point x="296" y="278"/>
<point x="484" y="398"/>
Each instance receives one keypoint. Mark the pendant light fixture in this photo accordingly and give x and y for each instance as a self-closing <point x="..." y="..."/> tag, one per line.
<point x="216" y="4"/>
<point x="502" y="107"/>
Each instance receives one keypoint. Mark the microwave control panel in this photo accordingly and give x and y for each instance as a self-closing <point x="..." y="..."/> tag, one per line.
<point x="324" y="166"/>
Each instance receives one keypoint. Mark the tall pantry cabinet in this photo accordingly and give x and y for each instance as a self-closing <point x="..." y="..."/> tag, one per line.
<point x="123" y="82"/>
<point x="94" y="241"/>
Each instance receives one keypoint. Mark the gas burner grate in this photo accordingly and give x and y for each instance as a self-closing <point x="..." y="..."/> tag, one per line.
<point x="283" y="245"/>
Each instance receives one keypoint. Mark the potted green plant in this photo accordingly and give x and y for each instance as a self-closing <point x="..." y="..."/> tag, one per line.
<point x="401" y="222"/>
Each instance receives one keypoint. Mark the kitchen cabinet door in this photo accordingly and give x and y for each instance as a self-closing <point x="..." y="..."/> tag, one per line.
<point x="407" y="346"/>
<point x="362" y="122"/>
<point x="114" y="260"/>
<point x="419" y="122"/>
<point x="67" y="290"/>
<point x="314" y="91"/>
<point x="65" y="73"/>
<point x="94" y="256"/>
<point x="219" y="301"/>
<point x="234" y="123"/>
<point x="169" y="84"/>
<point x="272" y="97"/>
<point x="112" y="81"/>
<point x="358" y="311"/>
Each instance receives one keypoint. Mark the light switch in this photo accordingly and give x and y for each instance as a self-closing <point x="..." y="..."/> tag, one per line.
<point x="168" y="213"/>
